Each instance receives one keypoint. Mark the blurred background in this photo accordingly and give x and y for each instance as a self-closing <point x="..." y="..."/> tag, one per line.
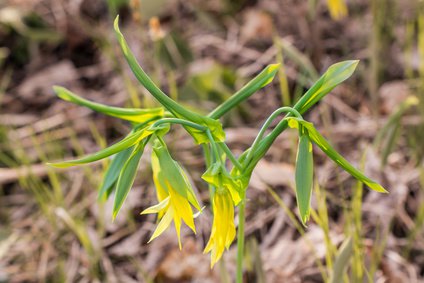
<point x="52" y="228"/>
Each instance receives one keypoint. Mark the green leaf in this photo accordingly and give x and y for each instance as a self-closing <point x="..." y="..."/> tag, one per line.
<point x="335" y="75"/>
<point x="126" y="178"/>
<point x="260" y="81"/>
<point x="172" y="106"/>
<point x="304" y="176"/>
<point x="176" y="109"/>
<point x="112" y="173"/>
<point x="129" y="114"/>
<point x="322" y="143"/>
<point x="127" y="142"/>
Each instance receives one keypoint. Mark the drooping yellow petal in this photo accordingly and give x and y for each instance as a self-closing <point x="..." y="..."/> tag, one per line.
<point x="157" y="208"/>
<point x="223" y="229"/>
<point x="177" y="223"/>
<point x="174" y="193"/>
<point x="160" y="188"/>
<point x="190" y="193"/>
<point x="163" y="224"/>
<point x="182" y="211"/>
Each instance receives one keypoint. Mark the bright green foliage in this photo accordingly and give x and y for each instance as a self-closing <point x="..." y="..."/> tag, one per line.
<point x="174" y="192"/>
<point x="128" y="141"/>
<point x="334" y="76"/>
<point x="112" y="173"/>
<point x="324" y="145"/>
<point x="126" y="177"/>
<point x="261" y="80"/>
<point x="129" y="114"/>
<point x="176" y="109"/>
<point x="304" y="175"/>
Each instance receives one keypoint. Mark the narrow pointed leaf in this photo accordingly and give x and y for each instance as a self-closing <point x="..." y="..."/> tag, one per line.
<point x="126" y="178"/>
<point x="172" y="106"/>
<point x="304" y="177"/>
<point x="127" y="142"/>
<point x="335" y="75"/>
<point x="112" y="173"/>
<point x="260" y="81"/>
<point x="147" y="82"/>
<point x="129" y="114"/>
<point x="325" y="146"/>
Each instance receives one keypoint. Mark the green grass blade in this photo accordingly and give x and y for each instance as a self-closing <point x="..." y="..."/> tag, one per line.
<point x="304" y="177"/>
<point x="126" y="178"/>
<point x="325" y="146"/>
<point x="261" y="80"/>
<point x="129" y="114"/>
<point x="125" y="143"/>
<point x="295" y="55"/>
<point x="112" y="173"/>
<point x="342" y="260"/>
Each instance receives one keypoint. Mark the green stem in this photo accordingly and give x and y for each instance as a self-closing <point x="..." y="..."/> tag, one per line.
<point x="215" y="151"/>
<point x="230" y="155"/>
<point x="179" y="121"/>
<point x="263" y="145"/>
<point x="266" y="125"/>
<point x="240" y="238"/>
<point x="208" y="163"/>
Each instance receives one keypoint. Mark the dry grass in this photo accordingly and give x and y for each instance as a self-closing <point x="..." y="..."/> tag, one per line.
<point x="53" y="229"/>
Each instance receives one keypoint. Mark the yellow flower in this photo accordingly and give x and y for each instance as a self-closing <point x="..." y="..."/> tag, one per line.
<point x="223" y="229"/>
<point x="174" y="193"/>
<point x="338" y="9"/>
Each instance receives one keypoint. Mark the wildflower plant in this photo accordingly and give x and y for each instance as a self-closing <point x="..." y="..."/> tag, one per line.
<point x="177" y="201"/>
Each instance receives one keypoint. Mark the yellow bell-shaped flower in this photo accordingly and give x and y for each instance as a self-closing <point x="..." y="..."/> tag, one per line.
<point x="174" y="193"/>
<point x="223" y="228"/>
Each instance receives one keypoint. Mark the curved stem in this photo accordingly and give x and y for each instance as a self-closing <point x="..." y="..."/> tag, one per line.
<point x="179" y="121"/>
<point x="240" y="238"/>
<point x="230" y="155"/>
<point x="213" y="145"/>
<point x="266" y="125"/>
